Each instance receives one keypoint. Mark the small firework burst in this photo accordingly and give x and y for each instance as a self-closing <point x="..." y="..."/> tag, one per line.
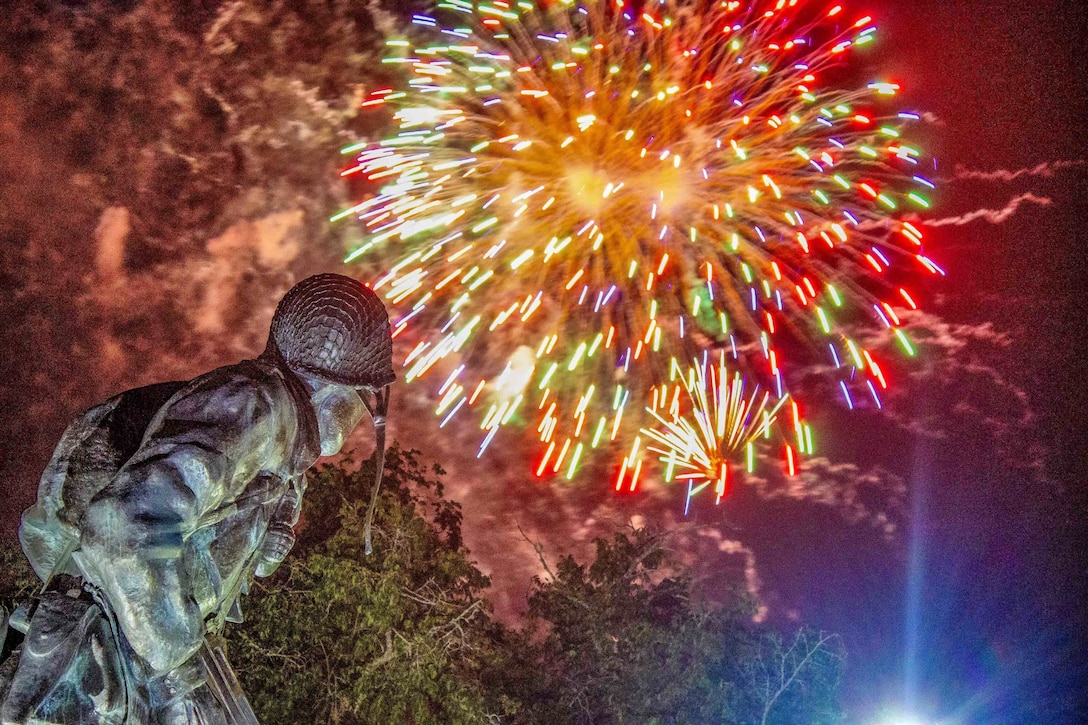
<point x="578" y="194"/>
<point x="715" y="427"/>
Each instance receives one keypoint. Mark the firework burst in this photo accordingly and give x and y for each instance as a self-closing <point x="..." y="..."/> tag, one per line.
<point x="577" y="194"/>
<point x="699" y="446"/>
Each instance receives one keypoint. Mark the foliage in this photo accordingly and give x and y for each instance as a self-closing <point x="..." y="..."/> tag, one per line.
<point x="17" y="584"/>
<point x="624" y="640"/>
<point x="336" y="636"/>
<point x="17" y="579"/>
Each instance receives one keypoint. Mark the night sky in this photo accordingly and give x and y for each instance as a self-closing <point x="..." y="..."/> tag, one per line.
<point x="943" y="538"/>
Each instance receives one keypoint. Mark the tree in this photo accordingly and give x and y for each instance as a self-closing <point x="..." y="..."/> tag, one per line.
<point x="794" y="683"/>
<point x="398" y="637"/>
<point x="624" y="640"/>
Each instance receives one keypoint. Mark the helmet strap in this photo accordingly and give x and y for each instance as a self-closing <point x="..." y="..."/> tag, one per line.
<point x="378" y="407"/>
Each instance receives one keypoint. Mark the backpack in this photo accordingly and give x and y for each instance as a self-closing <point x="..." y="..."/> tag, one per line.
<point x="91" y="451"/>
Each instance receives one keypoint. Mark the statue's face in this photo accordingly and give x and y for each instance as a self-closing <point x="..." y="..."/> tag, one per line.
<point x="339" y="409"/>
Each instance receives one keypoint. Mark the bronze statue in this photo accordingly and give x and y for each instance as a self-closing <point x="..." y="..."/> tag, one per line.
<point x="160" y="504"/>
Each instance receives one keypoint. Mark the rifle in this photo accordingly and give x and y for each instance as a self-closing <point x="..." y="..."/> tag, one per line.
<point x="224" y="685"/>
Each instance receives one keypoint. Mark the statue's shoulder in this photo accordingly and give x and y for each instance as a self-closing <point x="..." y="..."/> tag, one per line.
<point x="250" y="389"/>
<point x="256" y="375"/>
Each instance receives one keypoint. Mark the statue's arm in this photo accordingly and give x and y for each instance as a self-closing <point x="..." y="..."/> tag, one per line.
<point x="134" y="533"/>
<point x="131" y="548"/>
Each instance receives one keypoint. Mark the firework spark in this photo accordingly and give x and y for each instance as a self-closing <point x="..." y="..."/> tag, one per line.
<point x="578" y="194"/>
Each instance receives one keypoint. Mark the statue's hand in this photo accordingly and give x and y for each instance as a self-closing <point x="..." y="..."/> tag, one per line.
<point x="277" y="544"/>
<point x="265" y="489"/>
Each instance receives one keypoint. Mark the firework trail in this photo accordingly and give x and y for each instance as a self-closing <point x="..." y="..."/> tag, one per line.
<point x="578" y="194"/>
<point x="993" y="216"/>
<point x="1045" y="169"/>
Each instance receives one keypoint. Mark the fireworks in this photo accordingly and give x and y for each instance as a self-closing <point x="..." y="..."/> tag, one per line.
<point x="579" y="194"/>
<point x="723" y="423"/>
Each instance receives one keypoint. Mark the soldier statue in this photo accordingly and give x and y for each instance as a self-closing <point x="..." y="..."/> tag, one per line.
<point x="160" y="504"/>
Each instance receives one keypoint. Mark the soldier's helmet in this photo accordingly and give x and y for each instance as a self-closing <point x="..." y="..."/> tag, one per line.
<point x="333" y="328"/>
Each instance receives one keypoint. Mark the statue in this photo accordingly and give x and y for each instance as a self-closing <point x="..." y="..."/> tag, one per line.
<point x="160" y="504"/>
